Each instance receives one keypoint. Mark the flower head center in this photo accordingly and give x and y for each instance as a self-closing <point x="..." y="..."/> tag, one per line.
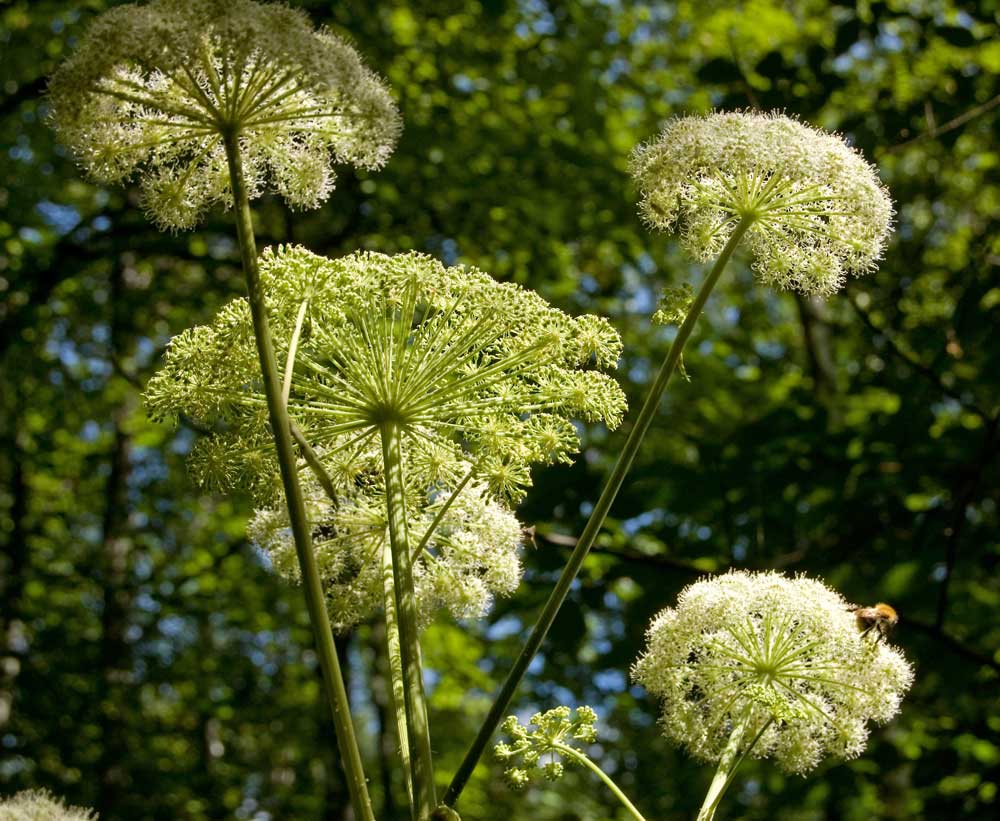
<point x="387" y="412"/>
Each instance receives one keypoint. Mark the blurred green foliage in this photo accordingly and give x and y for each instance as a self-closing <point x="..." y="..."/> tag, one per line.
<point x="150" y="664"/>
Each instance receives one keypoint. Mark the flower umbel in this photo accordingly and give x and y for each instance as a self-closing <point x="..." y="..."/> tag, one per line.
<point x="550" y="738"/>
<point x="469" y="556"/>
<point x="462" y="364"/>
<point x="153" y="90"/>
<point x="778" y="656"/>
<point x="38" y="805"/>
<point x="817" y="209"/>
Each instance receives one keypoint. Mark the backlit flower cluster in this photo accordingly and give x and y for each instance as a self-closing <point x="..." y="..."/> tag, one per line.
<point x="818" y="209"/>
<point x="469" y="556"/>
<point x="465" y="366"/>
<point x="549" y="739"/>
<point x="153" y="89"/>
<point x="38" y="805"/>
<point x="762" y="650"/>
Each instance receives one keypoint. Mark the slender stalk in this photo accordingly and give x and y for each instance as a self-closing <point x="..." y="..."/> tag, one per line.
<point x="418" y="731"/>
<point x="442" y="511"/>
<point x="582" y="758"/>
<point x="731" y="759"/>
<point x="312" y="459"/>
<point x="594" y="524"/>
<point x="333" y="678"/>
<point x="293" y="346"/>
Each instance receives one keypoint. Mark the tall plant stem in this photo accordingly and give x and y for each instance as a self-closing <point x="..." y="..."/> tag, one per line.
<point x="397" y="694"/>
<point x="418" y="731"/>
<point x="732" y="757"/>
<point x="594" y="523"/>
<point x="333" y="679"/>
<point x="576" y="755"/>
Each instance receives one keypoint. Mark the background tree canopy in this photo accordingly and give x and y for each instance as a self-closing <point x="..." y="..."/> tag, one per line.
<point x="153" y="667"/>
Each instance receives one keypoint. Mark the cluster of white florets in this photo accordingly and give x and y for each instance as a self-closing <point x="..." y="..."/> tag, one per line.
<point x="153" y="89"/>
<point x="38" y="805"/>
<point x="470" y="556"/>
<point x="759" y="649"/>
<point x="818" y="211"/>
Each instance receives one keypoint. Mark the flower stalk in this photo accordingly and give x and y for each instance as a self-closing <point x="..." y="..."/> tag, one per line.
<point x="417" y="729"/>
<point x="396" y="690"/>
<point x="585" y="760"/>
<point x="596" y="521"/>
<point x="732" y="757"/>
<point x="326" y="650"/>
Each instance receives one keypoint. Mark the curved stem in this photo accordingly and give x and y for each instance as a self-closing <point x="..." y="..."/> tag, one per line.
<point x="594" y="524"/>
<point x="582" y="758"/>
<point x="731" y="759"/>
<point x="326" y="650"/>
<point x="293" y="347"/>
<point x="421" y="758"/>
<point x="442" y="511"/>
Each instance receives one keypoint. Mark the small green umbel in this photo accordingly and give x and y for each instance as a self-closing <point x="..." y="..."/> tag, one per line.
<point x="155" y="91"/>
<point x="549" y="739"/>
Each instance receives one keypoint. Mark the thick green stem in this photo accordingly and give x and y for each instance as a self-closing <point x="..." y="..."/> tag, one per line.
<point x="418" y="731"/>
<point x="332" y="677"/>
<point x="576" y="755"/>
<point x="732" y="757"/>
<point x="396" y="691"/>
<point x="594" y="524"/>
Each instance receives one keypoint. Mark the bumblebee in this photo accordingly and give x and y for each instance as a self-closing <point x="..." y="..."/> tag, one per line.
<point x="880" y="618"/>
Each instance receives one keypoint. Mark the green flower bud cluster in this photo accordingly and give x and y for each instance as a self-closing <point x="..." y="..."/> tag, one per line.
<point x="543" y="745"/>
<point x="818" y="210"/>
<point x="463" y="364"/>
<point x="778" y="656"/>
<point x="39" y="805"/>
<point x="153" y="90"/>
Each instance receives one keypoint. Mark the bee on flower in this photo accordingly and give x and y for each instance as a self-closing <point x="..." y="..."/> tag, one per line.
<point x="777" y="663"/>
<point x="880" y="618"/>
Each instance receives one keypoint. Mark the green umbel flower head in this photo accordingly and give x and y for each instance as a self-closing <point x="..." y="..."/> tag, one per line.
<point x="463" y="365"/>
<point x="760" y="648"/>
<point x="469" y="556"/>
<point x="541" y="747"/>
<point x="818" y="209"/>
<point x="38" y="805"/>
<point x="153" y="89"/>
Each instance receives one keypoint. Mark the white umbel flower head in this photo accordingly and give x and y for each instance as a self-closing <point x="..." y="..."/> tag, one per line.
<point x="470" y="556"/>
<point x="38" y="805"/>
<point x="153" y="89"/>
<point x="817" y="209"/>
<point x="777" y="655"/>
<point x="450" y="355"/>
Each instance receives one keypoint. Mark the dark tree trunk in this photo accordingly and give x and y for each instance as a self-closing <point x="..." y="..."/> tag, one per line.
<point x="117" y="594"/>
